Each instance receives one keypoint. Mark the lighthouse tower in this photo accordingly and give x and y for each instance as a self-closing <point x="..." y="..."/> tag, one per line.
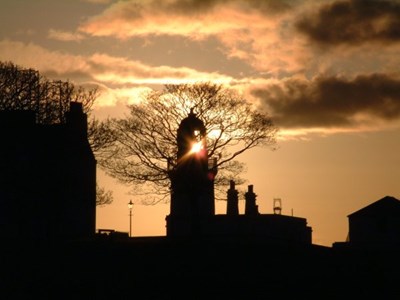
<point x="192" y="181"/>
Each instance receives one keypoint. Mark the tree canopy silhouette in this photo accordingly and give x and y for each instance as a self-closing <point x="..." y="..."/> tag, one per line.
<point x="141" y="147"/>
<point x="27" y="89"/>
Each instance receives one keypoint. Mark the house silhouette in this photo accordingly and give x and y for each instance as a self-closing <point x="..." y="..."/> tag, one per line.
<point x="376" y="225"/>
<point x="47" y="177"/>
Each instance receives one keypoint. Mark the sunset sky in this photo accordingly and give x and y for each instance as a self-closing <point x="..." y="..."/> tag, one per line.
<point x="328" y="73"/>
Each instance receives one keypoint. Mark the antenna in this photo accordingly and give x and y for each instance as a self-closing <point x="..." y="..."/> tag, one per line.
<point x="277" y="206"/>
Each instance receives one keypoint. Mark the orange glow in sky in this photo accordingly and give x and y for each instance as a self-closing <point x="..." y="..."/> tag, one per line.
<point x="333" y="93"/>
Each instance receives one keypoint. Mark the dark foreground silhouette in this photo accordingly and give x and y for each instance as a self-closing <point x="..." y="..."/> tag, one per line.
<point x="49" y="249"/>
<point x="162" y="268"/>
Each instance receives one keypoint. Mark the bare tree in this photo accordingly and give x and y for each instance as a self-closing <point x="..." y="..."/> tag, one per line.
<point x="26" y="89"/>
<point x="141" y="148"/>
<point x="103" y="197"/>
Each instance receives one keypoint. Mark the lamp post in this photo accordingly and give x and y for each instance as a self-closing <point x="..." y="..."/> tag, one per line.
<point x="130" y="206"/>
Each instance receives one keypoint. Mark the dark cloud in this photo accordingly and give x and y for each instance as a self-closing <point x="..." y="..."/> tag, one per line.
<point x="332" y="101"/>
<point x="202" y="6"/>
<point x="189" y="6"/>
<point x="353" y="22"/>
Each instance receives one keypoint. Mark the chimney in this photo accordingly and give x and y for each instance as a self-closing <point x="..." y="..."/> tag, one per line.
<point x="250" y="208"/>
<point x="77" y="120"/>
<point x="232" y="208"/>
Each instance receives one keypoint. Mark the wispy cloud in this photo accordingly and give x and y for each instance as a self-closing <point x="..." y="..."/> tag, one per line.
<point x="254" y="31"/>
<point x="103" y="67"/>
<point x="192" y="18"/>
<point x="265" y="34"/>
<point x="108" y="71"/>
<point x="65" y="36"/>
<point x="31" y="55"/>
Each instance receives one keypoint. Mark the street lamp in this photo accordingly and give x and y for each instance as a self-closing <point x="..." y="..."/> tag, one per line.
<point x="130" y="206"/>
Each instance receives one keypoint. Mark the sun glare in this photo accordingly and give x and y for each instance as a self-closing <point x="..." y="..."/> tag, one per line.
<point x="196" y="147"/>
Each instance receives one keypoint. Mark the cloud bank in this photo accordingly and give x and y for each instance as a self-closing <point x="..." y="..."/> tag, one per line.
<point x="333" y="101"/>
<point x="353" y="22"/>
<point x="312" y="64"/>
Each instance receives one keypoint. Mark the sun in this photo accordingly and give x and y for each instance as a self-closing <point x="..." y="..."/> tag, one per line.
<point x="196" y="147"/>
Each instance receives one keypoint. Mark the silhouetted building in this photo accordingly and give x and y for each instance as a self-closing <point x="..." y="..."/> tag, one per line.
<point x="47" y="177"/>
<point x="273" y="227"/>
<point x="377" y="224"/>
<point x="192" y="198"/>
<point x="192" y="181"/>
